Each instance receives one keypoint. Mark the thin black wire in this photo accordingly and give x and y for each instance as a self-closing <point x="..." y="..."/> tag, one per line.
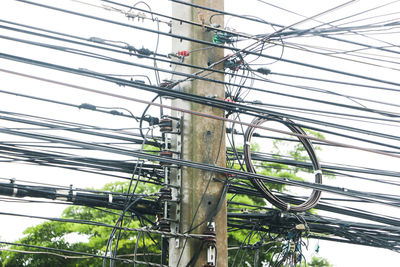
<point x="209" y="43"/>
<point x="248" y="87"/>
<point x="64" y="251"/>
<point x="209" y="100"/>
<point x="225" y="104"/>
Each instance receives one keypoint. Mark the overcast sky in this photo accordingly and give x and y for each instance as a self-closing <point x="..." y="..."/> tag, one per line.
<point x="338" y="254"/>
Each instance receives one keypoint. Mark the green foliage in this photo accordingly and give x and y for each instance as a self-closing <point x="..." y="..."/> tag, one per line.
<point x="244" y="237"/>
<point x="93" y="239"/>
<point x="79" y="237"/>
<point x="319" y="262"/>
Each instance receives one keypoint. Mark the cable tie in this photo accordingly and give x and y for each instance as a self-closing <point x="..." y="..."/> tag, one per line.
<point x="173" y="55"/>
<point x="73" y="198"/>
<point x="318" y="172"/>
<point x="110" y="198"/>
<point x="62" y="194"/>
<point x="15" y="190"/>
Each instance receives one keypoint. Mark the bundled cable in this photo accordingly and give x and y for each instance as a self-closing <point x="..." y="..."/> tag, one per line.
<point x="259" y="184"/>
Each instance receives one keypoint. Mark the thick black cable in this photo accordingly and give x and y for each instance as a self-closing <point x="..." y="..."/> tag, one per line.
<point x="315" y="195"/>
<point x="208" y="167"/>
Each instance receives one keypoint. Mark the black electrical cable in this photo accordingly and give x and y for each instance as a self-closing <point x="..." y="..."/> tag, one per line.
<point x="128" y="201"/>
<point x="211" y="101"/>
<point x="290" y="27"/>
<point x="315" y="195"/>
<point x="335" y="208"/>
<point x="330" y="114"/>
<point x="298" y="14"/>
<point x="78" y="198"/>
<point x="83" y="131"/>
<point x="123" y="82"/>
<point x="208" y="43"/>
<point x="352" y="193"/>
<point x="65" y="251"/>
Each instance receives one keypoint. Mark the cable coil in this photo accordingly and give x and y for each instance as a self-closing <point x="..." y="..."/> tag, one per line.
<point x="259" y="184"/>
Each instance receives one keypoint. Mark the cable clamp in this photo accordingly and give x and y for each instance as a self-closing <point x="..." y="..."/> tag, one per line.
<point x="288" y="207"/>
<point x="318" y="172"/>
<point x="62" y="194"/>
<point x="301" y="227"/>
<point x="132" y="15"/>
<point x="72" y="193"/>
<point x="15" y="190"/>
<point x="211" y="242"/>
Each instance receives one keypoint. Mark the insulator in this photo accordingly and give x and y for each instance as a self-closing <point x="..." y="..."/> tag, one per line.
<point x="167" y="154"/>
<point x="164" y="225"/>
<point x="165" y="125"/>
<point x="166" y="193"/>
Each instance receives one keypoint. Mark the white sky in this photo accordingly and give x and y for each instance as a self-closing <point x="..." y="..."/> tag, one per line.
<point x="337" y="254"/>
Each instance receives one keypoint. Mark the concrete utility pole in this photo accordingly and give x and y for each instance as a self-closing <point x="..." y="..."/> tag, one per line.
<point x="201" y="140"/>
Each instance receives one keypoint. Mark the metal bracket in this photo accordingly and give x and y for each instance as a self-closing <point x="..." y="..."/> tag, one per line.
<point x="176" y="183"/>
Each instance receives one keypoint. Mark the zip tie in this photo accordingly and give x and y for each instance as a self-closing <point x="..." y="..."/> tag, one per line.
<point x="15" y="191"/>
<point x="288" y="207"/>
<point x="73" y="198"/>
<point x="63" y="194"/>
<point x="110" y="198"/>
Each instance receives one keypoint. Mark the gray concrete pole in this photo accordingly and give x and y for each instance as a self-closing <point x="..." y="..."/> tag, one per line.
<point x="201" y="140"/>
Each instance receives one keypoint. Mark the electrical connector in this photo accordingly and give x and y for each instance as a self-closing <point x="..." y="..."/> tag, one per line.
<point x="87" y="106"/>
<point x="116" y="112"/>
<point x="144" y="51"/>
<point x="264" y="71"/>
<point x="165" y="125"/>
<point x="233" y="64"/>
<point x="183" y="53"/>
<point x="97" y="40"/>
<point x="223" y="38"/>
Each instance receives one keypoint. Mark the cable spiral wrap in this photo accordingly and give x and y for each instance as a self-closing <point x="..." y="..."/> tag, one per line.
<point x="259" y="184"/>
